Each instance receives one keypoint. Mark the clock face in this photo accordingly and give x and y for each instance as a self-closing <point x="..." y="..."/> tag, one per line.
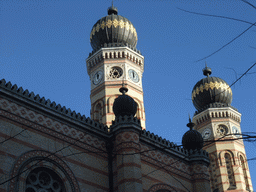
<point x="133" y="75"/>
<point x="97" y="77"/>
<point x="206" y="133"/>
<point x="235" y="131"/>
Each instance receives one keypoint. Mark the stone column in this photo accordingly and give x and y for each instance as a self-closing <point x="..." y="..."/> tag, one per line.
<point x="126" y="131"/>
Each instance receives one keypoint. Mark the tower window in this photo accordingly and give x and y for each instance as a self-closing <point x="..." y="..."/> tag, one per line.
<point x="231" y="177"/>
<point x="98" y="113"/>
<point x="244" y="172"/>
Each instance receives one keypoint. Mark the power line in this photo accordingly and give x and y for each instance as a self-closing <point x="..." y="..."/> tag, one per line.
<point x="12" y="136"/>
<point x="246" y="160"/>
<point x="252" y="24"/>
<point x="227" y="43"/>
<point x="237" y="79"/>
<point x="105" y="152"/>
<point x="243" y="73"/>
<point x="209" y="15"/>
<point x="41" y="161"/>
<point x="248" y="3"/>
<point x="162" y="167"/>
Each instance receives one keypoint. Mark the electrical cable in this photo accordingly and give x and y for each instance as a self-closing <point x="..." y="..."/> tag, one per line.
<point x="239" y="167"/>
<point x="227" y="43"/>
<point x="162" y="167"/>
<point x="12" y="136"/>
<point x="248" y="3"/>
<point x="41" y="160"/>
<point x="252" y="24"/>
<point x="209" y="15"/>
<point x="154" y="149"/>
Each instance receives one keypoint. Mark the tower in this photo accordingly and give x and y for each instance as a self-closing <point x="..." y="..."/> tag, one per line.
<point x="219" y="124"/>
<point x="114" y="61"/>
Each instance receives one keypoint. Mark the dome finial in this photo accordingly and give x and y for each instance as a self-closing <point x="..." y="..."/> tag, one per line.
<point x="190" y="124"/>
<point x="207" y="71"/>
<point x="123" y="89"/>
<point x="112" y="9"/>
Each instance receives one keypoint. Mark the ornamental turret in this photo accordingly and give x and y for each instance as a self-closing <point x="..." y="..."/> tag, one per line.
<point x="124" y="104"/>
<point x="219" y="124"/>
<point x="114" y="61"/>
<point x="192" y="139"/>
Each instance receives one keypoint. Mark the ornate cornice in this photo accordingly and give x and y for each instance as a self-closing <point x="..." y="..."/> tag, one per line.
<point x="217" y="112"/>
<point x="122" y="52"/>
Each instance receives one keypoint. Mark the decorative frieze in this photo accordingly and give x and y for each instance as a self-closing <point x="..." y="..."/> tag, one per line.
<point x="13" y="90"/>
<point x="225" y="112"/>
<point x="114" y="53"/>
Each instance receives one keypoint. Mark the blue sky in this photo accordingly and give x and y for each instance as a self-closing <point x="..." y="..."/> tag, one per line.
<point x="44" y="45"/>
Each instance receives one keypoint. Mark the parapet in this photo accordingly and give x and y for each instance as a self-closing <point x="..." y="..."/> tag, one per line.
<point x="46" y="103"/>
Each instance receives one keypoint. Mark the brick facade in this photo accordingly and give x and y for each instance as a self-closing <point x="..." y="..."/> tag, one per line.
<point x="86" y="155"/>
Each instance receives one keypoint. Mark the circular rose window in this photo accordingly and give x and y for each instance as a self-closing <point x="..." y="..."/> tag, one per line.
<point x="115" y="72"/>
<point x="44" y="180"/>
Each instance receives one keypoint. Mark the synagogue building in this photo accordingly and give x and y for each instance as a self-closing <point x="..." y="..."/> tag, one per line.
<point x="112" y="151"/>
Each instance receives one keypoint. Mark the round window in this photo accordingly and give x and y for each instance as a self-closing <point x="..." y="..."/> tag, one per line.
<point x="115" y="72"/>
<point x="44" y="180"/>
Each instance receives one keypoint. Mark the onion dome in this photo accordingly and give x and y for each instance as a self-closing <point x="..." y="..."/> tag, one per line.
<point x="113" y="30"/>
<point x="124" y="104"/>
<point x="192" y="139"/>
<point x="211" y="91"/>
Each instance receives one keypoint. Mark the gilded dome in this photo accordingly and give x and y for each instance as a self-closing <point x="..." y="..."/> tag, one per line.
<point x="211" y="91"/>
<point x="113" y="30"/>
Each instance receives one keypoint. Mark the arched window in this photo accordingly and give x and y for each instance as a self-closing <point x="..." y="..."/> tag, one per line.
<point x="98" y="113"/>
<point x="244" y="172"/>
<point x="137" y="112"/>
<point x="229" y="167"/>
<point x="44" y="179"/>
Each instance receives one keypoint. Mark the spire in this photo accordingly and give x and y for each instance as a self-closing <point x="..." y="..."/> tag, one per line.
<point x="207" y="71"/>
<point x="190" y="124"/>
<point x="112" y="9"/>
<point x="123" y="89"/>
